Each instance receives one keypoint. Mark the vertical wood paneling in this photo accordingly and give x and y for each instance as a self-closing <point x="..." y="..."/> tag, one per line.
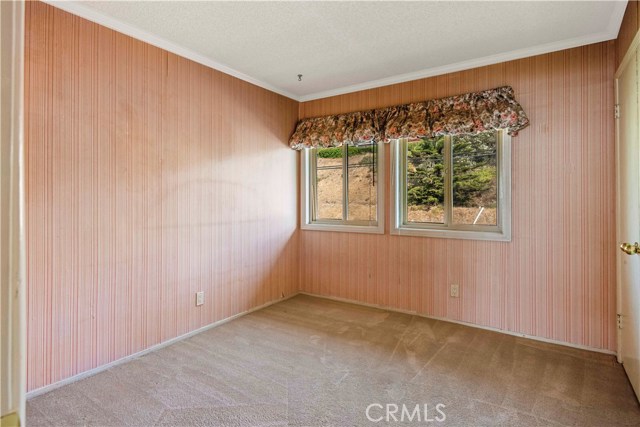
<point x="556" y="279"/>
<point x="628" y="30"/>
<point x="149" y="177"/>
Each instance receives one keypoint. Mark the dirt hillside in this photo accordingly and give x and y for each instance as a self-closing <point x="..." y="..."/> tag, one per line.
<point x="363" y="197"/>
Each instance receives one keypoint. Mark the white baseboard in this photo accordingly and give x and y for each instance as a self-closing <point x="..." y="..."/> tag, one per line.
<point x="101" y="368"/>
<point x="125" y="359"/>
<point x="473" y="325"/>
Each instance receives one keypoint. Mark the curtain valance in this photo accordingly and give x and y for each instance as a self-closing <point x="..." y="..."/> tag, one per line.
<point x="462" y="114"/>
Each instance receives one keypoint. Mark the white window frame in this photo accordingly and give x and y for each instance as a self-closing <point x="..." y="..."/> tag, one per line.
<point x="307" y="172"/>
<point x="501" y="232"/>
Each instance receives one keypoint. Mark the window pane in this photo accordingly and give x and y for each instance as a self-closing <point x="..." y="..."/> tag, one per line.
<point x="329" y="157"/>
<point x="425" y="181"/>
<point x="329" y="183"/>
<point x="475" y="179"/>
<point x="362" y="182"/>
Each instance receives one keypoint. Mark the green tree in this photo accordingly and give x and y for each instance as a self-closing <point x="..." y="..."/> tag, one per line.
<point x="425" y="172"/>
<point x="337" y="152"/>
<point x="474" y="170"/>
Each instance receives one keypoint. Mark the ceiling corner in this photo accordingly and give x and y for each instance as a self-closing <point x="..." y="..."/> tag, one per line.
<point x="89" y="14"/>
<point x="616" y="18"/>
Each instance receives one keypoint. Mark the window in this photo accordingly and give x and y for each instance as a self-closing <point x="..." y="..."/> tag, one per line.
<point x="453" y="186"/>
<point x="340" y="190"/>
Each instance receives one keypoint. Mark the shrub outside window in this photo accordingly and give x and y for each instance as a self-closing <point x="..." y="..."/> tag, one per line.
<point x="453" y="187"/>
<point x="340" y="188"/>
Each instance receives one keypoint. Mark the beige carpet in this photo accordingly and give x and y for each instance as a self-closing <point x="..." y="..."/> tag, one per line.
<point x="313" y="362"/>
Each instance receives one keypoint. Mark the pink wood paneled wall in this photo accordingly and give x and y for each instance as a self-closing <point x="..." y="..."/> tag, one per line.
<point x="149" y="177"/>
<point x="556" y="279"/>
<point x="628" y="30"/>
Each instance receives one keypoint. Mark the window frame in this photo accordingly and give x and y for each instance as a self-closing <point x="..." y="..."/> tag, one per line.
<point x="307" y="198"/>
<point x="399" y="207"/>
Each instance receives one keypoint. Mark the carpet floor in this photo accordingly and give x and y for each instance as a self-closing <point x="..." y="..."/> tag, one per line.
<point x="313" y="362"/>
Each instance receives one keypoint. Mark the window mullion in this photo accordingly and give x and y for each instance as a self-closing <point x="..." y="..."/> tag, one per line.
<point x="345" y="183"/>
<point x="405" y="165"/>
<point x="499" y="178"/>
<point x="313" y="174"/>
<point x="448" y="180"/>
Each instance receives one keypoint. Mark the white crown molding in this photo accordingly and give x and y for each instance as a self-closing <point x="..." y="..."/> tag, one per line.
<point x="611" y="32"/>
<point x="85" y="12"/>
<point x="135" y="32"/>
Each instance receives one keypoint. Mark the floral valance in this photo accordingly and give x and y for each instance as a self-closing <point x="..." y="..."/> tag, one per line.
<point x="462" y="114"/>
<point x="334" y="131"/>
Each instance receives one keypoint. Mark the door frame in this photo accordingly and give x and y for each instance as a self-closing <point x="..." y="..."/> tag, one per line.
<point x="629" y="54"/>
<point x="12" y="216"/>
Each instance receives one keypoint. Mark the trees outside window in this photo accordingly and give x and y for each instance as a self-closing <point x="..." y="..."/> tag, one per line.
<point x="454" y="183"/>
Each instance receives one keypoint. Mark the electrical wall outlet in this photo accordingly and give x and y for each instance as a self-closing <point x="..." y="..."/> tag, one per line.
<point x="455" y="290"/>
<point x="199" y="298"/>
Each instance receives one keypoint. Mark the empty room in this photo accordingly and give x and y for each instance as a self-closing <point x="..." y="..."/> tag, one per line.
<point x="320" y="213"/>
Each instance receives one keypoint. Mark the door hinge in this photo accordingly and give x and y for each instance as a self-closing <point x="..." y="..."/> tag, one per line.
<point x="619" y="316"/>
<point x="616" y="111"/>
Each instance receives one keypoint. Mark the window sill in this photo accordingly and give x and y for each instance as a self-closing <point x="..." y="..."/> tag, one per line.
<point x="497" y="236"/>
<point x="367" y="229"/>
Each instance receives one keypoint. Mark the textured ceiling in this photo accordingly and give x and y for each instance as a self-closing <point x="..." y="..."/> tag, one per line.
<point x="345" y="46"/>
